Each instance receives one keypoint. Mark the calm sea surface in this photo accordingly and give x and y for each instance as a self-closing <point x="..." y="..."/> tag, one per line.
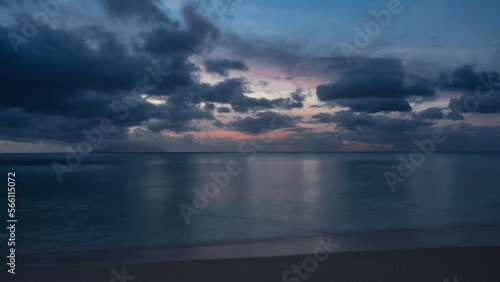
<point x="130" y="201"/>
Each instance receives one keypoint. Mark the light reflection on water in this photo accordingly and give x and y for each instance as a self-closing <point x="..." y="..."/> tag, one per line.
<point x="115" y="201"/>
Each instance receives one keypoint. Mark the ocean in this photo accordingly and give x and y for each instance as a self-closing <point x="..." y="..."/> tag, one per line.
<point x="274" y="204"/>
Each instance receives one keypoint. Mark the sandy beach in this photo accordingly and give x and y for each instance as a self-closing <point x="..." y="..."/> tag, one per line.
<point x="435" y="264"/>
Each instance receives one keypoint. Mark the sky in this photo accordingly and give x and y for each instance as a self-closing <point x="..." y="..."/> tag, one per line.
<point x="217" y="75"/>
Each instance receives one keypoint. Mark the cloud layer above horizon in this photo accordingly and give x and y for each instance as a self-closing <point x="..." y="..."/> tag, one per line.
<point x="204" y="75"/>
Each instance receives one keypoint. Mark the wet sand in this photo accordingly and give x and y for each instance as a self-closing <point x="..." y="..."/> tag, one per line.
<point x="433" y="264"/>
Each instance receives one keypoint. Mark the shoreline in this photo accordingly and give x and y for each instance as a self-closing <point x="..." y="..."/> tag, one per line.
<point x="422" y="264"/>
<point x="403" y="239"/>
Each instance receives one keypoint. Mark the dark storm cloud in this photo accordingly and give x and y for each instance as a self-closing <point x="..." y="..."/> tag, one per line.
<point x="471" y="104"/>
<point x="145" y="10"/>
<point x="264" y="122"/>
<point x="66" y="87"/>
<point x="18" y="125"/>
<point x="429" y="114"/>
<point x="465" y="78"/>
<point x="363" y="121"/>
<point x="198" y="36"/>
<point x="223" y="110"/>
<point x="16" y="118"/>
<point x="65" y="80"/>
<point x="373" y="78"/>
<point x="452" y="115"/>
<point x="226" y="92"/>
<point x="286" y="103"/>
<point x="374" y="105"/>
<point x="221" y="66"/>
<point x="298" y="96"/>
<point x="177" y="122"/>
<point x="210" y="106"/>
<point x="55" y="72"/>
<point x="480" y="91"/>
<point x="175" y="117"/>
<point x="295" y="100"/>
<point x="233" y="92"/>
